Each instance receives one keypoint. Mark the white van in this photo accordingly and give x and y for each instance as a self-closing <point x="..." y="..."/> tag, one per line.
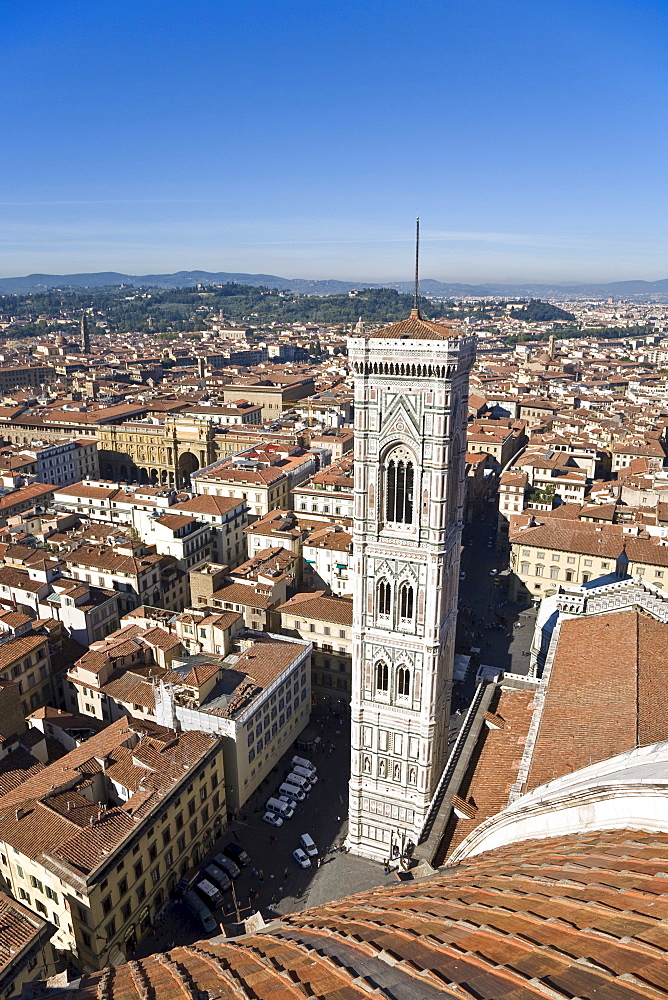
<point x="294" y="791"/>
<point x="310" y="776"/>
<point x="209" y="893"/>
<point x="299" y="780"/>
<point x="302" y="762"/>
<point x="280" y="808"/>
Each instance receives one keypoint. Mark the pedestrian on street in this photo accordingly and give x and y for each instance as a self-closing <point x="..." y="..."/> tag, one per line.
<point x="235" y="836"/>
<point x="285" y="875"/>
<point x="261" y="874"/>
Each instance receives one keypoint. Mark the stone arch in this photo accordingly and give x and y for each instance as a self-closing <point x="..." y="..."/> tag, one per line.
<point x="406" y="602"/>
<point x="403" y="681"/>
<point x="382" y="676"/>
<point x="153" y="476"/>
<point x="399" y="468"/>
<point x="188" y="464"/>
<point x="384" y="597"/>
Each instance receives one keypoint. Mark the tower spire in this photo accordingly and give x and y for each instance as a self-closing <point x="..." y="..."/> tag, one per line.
<point x="415" y="311"/>
<point x="85" y="336"/>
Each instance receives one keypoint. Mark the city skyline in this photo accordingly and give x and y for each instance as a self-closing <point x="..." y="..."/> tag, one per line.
<point x="302" y="142"/>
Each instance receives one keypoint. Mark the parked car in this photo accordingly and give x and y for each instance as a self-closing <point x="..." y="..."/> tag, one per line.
<point x="273" y="819"/>
<point x="237" y="853"/>
<point x="301" y="858"/>
<point x="216" y="875"/>
<point x="462" y="576"/>
<point x="201" y="912"/>
<point x="228" y="866"/>
<point x="306" y="841"/>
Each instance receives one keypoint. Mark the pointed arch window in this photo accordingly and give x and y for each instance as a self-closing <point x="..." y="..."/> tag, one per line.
<point x="382" y="676"/>
<point x="400" y="477"/>
<point x="406" y="601"/>
<point x="384" y="599"/>
<point x="404" y="681"/>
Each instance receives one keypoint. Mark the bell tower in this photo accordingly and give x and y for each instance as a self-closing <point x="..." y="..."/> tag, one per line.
<point x="411" y="407"/>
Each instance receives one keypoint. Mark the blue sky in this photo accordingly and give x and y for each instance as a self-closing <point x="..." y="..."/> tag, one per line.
<point x="302" y="139"/>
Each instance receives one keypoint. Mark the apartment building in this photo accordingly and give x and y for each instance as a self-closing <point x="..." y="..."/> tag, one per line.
<point x="25" y="660"/>
<point x="513" y="489"/>
<point x="183" y="537"/>
<point x="255" y="589"/>
<point x="26" y="953"/>
<point x="137" y="574"/>
<point x="226" y="517"/>
<point x="501" y="439"/>
<point x="115" y="677"/>
<point x="24" y="498"/>
<point x="258" y="698"/>
<point x="329" y="495"/>
<point x="553" y="551"/>
<point x="39" y="589"/>
<point x="325" y="621"/>
<point x="66" y="461"/>
<point x="95" y="842"/>
<point x="327" y="554"/>
<point x="262" y="489"/>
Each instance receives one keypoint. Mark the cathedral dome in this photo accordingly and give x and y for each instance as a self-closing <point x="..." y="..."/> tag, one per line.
<point x="582" y="915"/>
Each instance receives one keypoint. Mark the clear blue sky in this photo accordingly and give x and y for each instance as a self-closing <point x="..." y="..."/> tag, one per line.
<point x="302" y="139"/>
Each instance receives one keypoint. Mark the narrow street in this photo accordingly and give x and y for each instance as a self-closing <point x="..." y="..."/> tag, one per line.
<point x="487" y="621"/>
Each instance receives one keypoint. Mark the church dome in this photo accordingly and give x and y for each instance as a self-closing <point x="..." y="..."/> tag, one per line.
<point x="580" y="915"/>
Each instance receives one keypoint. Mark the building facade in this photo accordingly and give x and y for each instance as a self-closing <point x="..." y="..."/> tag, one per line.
<point x="411" y="389"/>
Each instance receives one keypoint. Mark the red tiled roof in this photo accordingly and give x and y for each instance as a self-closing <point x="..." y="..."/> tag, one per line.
<point x="607" y="692"/>
<point x="581" y="916"/>
<point x="415" y="328"/>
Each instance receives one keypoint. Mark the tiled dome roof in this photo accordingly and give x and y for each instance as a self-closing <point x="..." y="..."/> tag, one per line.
<point x="415" y="328"/>
<point x="577" y="916"/>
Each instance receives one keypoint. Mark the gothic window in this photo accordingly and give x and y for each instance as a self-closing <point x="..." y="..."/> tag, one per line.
<point x="382" y="676"/>
<point x="406" y="602"/>
<point x="399" y="476"/>
<point x="384" y="597"/>
<point x="403" y="681"/>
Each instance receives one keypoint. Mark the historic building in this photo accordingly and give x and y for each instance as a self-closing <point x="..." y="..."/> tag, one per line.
<point x="411" y="389"/>
<point x="162" y="452"/>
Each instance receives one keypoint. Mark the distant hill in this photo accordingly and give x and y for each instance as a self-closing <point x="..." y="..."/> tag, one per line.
<point x="305" y="286"/>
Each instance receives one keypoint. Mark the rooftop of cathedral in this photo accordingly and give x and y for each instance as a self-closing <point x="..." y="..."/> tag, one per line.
<point x="578" y="915"/>
<point x="415" y="328"/>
